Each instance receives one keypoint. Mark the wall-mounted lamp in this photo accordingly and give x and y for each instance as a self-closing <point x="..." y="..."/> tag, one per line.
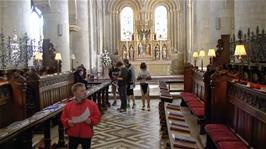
<point x="211" y="54"/>
<point x="202" y="55"/>
<point x="240" y="51"/>
<point x="195" y="56"/>
<point x="58" y="57"/>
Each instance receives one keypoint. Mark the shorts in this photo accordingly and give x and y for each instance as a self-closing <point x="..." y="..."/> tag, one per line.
<point x="129" y="91"/>
<point x="144" y="88"/>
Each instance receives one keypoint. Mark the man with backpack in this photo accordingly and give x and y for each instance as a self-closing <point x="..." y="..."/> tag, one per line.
<point x="122" y="86"/>
<point x="130" y="83"/>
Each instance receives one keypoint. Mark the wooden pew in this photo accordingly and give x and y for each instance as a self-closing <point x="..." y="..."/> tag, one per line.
<point x="165" y="97"/>
<point x="5" y="104"/>
<point x="43" y="91"/>
<point x="178" y="129"/>
<point x="19" y="134"/>
<point x="248" y="114"/>
<point x="245" y="114"/>
<point x="12" y="98"/>
<point x="196" y="93"/>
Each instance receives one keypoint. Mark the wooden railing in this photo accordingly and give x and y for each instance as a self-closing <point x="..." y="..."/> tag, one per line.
<point x="248" y="114"/>
<point x="19" y="134"/>
<point x="43" y="91"/>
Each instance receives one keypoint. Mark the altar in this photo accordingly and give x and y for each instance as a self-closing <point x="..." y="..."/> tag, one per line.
<point x="144" y="44"/>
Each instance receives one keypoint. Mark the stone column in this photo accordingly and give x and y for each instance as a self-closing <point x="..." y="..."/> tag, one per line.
<point x="56" y="28"/>
<point x="15" y="16"/>
<point x="93" y="31"/>
<point x="80" y="45"/>
<point x="201" y="26"/>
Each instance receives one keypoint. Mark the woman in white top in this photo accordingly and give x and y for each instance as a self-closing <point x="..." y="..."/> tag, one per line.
<point x="143" y="76"/>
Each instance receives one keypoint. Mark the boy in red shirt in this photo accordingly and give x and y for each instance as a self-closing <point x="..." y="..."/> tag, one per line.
<point x="79" y="116"/>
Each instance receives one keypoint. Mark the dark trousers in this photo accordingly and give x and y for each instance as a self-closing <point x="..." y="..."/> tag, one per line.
<point x="123" y="96"/>
<point x="74" y="142"/>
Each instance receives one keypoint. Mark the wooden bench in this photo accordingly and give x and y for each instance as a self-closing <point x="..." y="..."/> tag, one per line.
<point x="243" y="123"/>
<point x="178" y="129"/>
<point x="194" y="93"/>
<point x="223" y="137"/>
<point x="165" y="96"/>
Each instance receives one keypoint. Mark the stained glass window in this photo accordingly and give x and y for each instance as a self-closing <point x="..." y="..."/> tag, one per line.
<point x="126" y="23"/>
<point x="161" y="23"/>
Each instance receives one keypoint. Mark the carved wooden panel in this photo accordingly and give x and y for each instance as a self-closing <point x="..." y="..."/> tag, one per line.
<point x="251" y="97"/>
<point x="5" y="92"/>
<point x="5" y="103"/>
<point x="198" y="84"/>
<point x="249" y="118"/>
<point x="54" y="88"/>
<point x="188" y="82"/>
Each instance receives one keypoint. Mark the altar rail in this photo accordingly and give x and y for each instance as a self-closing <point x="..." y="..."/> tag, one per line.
<point x="19" y="134"/>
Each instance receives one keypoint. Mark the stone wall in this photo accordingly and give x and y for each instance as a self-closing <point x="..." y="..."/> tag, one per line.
<point x="249" y="14"/>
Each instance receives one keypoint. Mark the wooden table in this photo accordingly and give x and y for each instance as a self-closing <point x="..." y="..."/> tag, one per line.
<point x="174" y="81"/>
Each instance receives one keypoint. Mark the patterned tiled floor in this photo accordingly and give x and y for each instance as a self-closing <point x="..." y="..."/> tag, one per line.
<point x="134" y="129"/>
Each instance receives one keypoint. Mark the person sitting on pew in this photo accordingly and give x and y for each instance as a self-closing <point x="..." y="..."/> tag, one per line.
<point x="79" y="116"/>
<point x="78" y="75"/>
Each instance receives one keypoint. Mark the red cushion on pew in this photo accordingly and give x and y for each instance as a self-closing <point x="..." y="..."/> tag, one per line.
<point x="232" y="145"/>
<point x="214" y="127"/>
<point x="195" y="103"/>
<point x="218" y="136"/>
<point x="199" y="112"/>
<point x="189" y="98"/>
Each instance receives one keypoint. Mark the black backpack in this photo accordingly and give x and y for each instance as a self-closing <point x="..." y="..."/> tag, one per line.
<point x="129" y="75"/>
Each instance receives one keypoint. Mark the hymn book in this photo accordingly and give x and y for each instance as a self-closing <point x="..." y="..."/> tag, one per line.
<point x="83" y="117"/>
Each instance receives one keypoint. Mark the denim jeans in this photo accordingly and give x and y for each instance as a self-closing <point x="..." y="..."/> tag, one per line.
<point x="123" y="96"/>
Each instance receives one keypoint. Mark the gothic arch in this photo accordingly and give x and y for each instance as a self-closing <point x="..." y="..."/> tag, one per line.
<point x="118" y="5"/>
<point x="169" y="4"/>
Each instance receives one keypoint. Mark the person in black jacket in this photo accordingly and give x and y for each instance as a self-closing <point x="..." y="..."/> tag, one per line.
<point x="122" y="85"/>
<point x="78" y="75"/>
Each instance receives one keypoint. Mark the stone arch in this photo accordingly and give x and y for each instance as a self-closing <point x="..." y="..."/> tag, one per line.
<point x="118" y="5"/>
<point x="168" y="4"/>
